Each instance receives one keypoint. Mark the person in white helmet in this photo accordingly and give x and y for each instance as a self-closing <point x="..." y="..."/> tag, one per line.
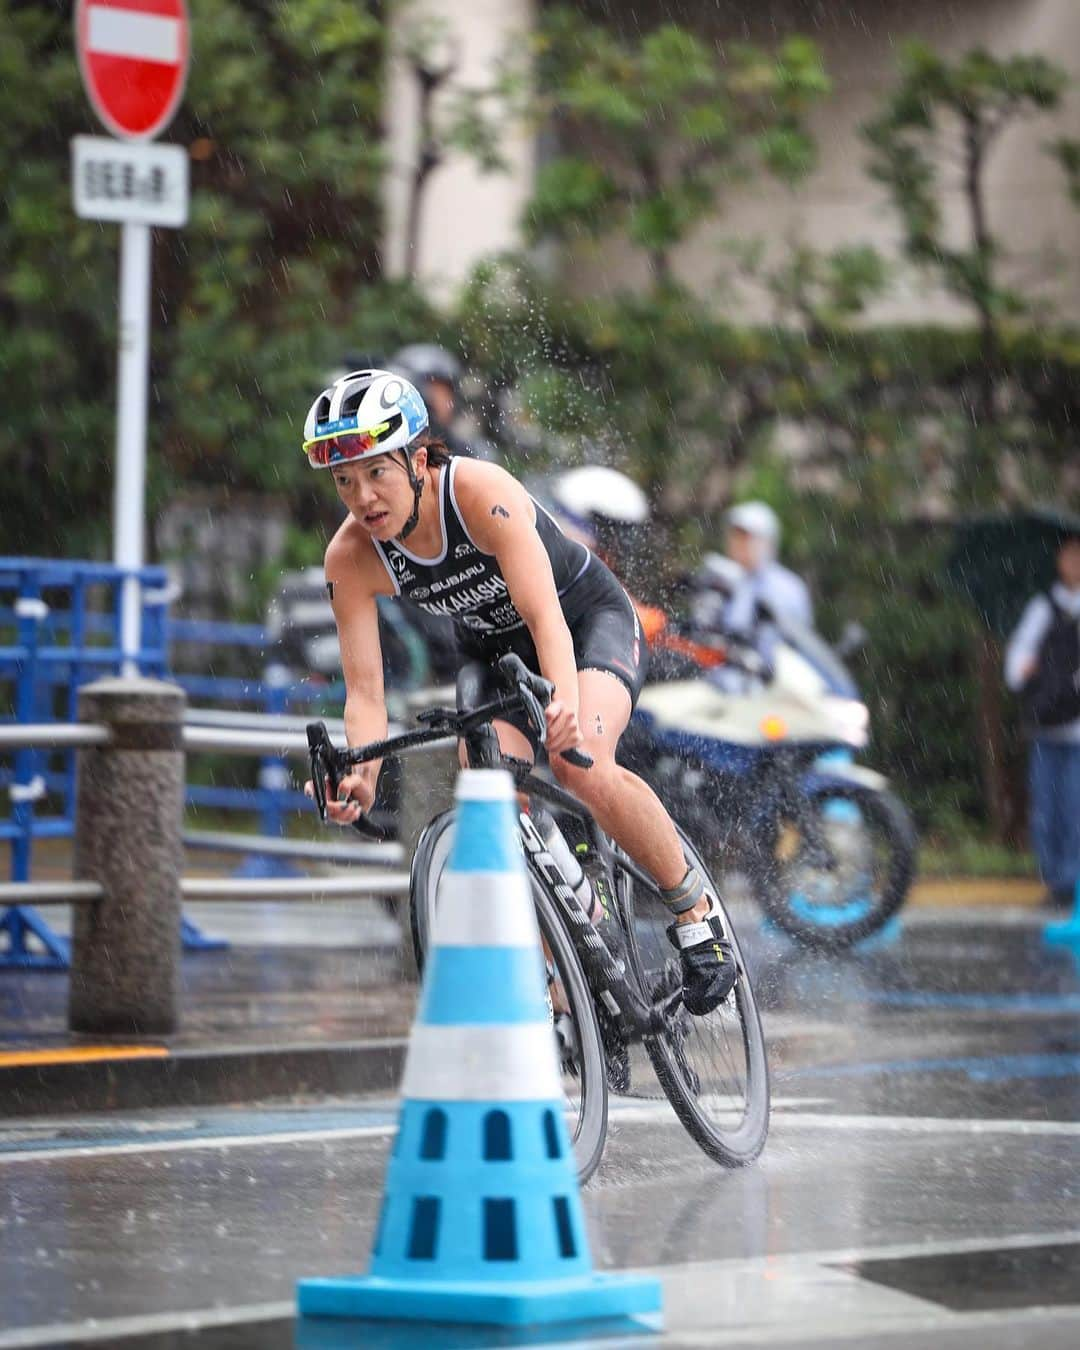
<point x="461" y="537"/>
<point x="762" y="587"/>
<point x="594" y="494"/>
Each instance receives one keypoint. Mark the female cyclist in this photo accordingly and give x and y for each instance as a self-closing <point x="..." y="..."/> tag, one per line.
<point x="462" y="538"/>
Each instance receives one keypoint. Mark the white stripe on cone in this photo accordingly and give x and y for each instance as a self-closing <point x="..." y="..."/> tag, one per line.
<point x="126" y="32"/>
<point x="485" y="909"/>
<point x="514" y="1063"/>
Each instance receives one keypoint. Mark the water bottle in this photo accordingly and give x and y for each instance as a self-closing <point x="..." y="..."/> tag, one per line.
<point x="568" y="865"/>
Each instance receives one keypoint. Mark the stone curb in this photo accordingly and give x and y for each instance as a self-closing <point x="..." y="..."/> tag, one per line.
<point x="191" y="1078"/>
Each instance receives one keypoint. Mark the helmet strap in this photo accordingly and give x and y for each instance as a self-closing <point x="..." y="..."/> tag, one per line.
<point x="418" y="488"/>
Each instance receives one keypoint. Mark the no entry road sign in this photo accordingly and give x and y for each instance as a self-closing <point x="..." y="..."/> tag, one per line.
<point x="133" y="55"/>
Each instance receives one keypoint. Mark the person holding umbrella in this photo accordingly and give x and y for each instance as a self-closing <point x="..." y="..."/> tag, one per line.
<point x="1042" y="664"/>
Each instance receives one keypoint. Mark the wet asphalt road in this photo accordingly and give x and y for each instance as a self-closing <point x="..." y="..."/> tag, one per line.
<point x="920" y="1187"/>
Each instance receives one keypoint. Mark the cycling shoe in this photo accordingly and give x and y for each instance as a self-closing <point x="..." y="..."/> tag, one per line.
<point x="708" y="963"/>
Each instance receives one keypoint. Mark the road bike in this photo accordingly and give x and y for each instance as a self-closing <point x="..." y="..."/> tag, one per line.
<point x="612" y="1014"/>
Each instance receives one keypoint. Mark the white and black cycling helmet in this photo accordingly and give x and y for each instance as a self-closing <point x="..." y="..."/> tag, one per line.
<point x="363" y="414"/>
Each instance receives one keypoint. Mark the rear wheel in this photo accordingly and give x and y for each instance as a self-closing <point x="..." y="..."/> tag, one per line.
<point x="713" y="1069"/>
<point x="576" y="1031"/>
<point x="838" y="874"/>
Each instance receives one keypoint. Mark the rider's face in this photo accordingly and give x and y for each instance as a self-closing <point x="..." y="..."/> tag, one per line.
<point x="377" y="494"/>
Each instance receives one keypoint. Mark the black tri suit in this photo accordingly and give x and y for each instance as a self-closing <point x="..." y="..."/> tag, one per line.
<point x="464" y="584"/>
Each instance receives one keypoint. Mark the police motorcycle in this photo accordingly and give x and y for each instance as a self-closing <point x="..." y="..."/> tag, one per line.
<point x="750" y="742"/>
<point x="753" y="747"/>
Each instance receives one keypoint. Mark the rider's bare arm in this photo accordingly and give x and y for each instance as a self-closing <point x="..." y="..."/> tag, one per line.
<point x="355" y="576"/>
<point x="501" y="518"/>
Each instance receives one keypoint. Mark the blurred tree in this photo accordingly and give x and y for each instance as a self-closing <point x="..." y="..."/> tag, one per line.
<point x="258" y="295"/>
<point x="665" y="127"/>
<point x="946" y="115"/>
<point x="949" y="115"/>
<point x="58" y="282"/>
<point x="252" y="300"/>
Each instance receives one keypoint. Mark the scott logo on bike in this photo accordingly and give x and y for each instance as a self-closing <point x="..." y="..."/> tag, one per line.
<point x="536" y="845"/>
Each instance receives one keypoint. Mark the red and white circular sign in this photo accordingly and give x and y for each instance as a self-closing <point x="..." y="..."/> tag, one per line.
<point x="133" y="55"/>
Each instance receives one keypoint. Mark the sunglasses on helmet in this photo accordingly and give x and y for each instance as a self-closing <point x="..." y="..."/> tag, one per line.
<point x="339" y="447"/>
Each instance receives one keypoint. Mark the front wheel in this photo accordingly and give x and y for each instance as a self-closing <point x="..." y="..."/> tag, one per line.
<point x="839" y="872"/>
<point x="713" y="1068"/>
<point x="576" y="1031"/>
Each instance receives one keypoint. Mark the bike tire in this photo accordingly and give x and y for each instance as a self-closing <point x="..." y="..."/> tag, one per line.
<point x="839" y="926"/>
<point x="587" y="1119"/>
<point x="726" y="1111"/>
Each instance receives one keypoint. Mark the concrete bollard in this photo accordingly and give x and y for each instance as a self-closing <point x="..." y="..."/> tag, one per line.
<point x="125" y="954"/>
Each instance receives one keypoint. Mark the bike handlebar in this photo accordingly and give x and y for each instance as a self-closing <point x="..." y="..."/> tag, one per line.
<point x="531" y="693"/>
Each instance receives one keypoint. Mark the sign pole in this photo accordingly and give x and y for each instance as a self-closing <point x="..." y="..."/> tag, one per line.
<point x="133" y="58"/>
<point x="130" y="486"/>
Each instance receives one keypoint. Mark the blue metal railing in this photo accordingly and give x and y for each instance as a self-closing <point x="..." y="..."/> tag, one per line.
<point x="59" y="629"/>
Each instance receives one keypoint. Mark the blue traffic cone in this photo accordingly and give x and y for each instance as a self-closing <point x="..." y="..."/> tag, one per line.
<point x="481" y="1219"/>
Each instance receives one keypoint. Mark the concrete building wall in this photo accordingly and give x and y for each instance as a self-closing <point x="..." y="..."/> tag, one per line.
<point x="1027" y="202"/>
<point x="467" y="214"/>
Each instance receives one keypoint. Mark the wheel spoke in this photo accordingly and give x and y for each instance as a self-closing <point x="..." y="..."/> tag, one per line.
<point x="712" y="1066"/>
<point x="582" y="1071"/>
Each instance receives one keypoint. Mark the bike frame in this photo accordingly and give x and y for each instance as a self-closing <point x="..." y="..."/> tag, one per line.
<point x="474" y="727"/>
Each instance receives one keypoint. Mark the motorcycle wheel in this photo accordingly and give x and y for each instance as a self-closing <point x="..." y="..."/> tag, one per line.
<point x="871" y="839"/>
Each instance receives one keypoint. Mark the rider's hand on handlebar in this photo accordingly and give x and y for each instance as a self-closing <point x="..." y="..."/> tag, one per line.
<point x="355" y="796"/>
<point x="563" y="731"/>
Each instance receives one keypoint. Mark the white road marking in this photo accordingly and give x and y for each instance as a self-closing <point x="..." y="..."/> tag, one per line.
<point x="206" y="1141"/>
<point x="809" y="1120"/>
<point x="623" y="1112"/>
<point x="127" y="32"/>
<point x="630" y="1111"/>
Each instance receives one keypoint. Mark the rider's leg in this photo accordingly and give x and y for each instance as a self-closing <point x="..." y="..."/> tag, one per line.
<point x="626" y="808"/>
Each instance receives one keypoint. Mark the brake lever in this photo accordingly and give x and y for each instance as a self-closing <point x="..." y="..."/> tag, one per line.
<point x="527" y="685"/>
<point x="319" y="744"/>
<point x="324" y="769"/>
<point x="534" y="711"/>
